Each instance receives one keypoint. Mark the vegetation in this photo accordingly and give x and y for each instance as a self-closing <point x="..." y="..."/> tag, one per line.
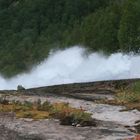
<point x="62" y="111"/>
<point x="128" y="96"/>
<point x="29" y="29"/>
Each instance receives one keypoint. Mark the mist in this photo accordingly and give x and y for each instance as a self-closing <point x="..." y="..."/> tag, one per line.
<point x="75" y="65"/>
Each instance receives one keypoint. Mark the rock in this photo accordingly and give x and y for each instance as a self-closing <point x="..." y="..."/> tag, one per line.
<point x="91" y="122"/>
<point x="27" y="120"/>
<point x="138" y="128"/>
<point x="78" y="125"/>
<point x="66" y="120"/>
<point x="74" y="124"/>
<point x="20" y="87"/>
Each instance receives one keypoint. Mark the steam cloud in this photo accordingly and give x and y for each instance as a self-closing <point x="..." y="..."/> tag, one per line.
<point x="74" y="65"/>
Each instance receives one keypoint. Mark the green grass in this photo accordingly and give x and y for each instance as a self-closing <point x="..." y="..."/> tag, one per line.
<point x="136" y="88"/>
<point x="129" y="95"/>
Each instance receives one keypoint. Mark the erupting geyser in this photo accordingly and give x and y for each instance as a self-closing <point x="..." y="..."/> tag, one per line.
<point x="75" y="65"/>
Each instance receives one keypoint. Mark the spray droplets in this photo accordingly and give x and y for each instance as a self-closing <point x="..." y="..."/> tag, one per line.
<point x="74" y="65"/>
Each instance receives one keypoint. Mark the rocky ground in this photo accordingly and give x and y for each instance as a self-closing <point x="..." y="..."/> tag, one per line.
<point x="113" y="123"/>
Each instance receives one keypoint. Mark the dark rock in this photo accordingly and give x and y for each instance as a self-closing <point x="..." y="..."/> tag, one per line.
<point x="20" y="87"/>
<point x="138" y="128"/>
<point x="68" y="120"/>
<point x="89" y="123"/>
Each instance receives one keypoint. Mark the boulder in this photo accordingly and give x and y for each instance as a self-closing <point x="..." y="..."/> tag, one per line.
<point x="20" y="87"/>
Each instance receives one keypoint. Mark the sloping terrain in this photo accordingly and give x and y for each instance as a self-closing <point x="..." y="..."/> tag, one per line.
<point x="114" y="122"/>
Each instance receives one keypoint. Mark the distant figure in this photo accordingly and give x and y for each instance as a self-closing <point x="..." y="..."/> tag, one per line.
<point x="20" y="87"/>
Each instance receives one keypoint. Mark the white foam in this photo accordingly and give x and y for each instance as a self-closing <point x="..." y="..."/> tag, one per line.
<point x="74" y="65"/>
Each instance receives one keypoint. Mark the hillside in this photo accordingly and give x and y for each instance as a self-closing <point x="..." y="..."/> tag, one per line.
<point x="29" y="29"/>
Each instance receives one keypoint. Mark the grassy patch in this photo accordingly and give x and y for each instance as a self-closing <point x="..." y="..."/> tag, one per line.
<point x="127" y="97"/>
<point x="130" y="97"/>
<point x="62" y="111"/>
<point x="136" y="87"/>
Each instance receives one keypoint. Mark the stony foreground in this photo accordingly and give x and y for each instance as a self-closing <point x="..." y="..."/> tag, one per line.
<point x="112" y="122"/>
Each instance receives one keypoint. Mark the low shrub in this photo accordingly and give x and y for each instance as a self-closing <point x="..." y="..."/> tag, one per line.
<point x="127" y="97"/>
<point x="136" y="88"/>
<point x="71" y="116"/>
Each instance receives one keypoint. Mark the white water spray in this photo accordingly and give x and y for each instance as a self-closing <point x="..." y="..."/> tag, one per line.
<point x="73" y="65"/>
